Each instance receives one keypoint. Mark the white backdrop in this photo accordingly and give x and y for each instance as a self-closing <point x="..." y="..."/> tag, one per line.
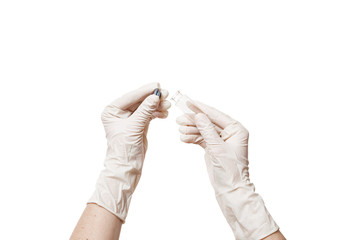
<point x="287" y="70"/>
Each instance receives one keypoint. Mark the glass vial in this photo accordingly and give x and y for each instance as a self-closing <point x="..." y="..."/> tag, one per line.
<point x="180" y="101"/>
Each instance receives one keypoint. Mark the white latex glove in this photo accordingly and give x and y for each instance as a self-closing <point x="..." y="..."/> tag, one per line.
<point x="126" y="121"/>
<point x="226" y="155"/>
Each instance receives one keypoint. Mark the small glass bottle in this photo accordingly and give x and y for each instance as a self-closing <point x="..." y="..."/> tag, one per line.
<point x="181" y="101"/>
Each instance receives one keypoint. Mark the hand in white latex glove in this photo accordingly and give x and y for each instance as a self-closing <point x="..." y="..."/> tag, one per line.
<point x="226" y="155"/>
<point x="126" y="121"/>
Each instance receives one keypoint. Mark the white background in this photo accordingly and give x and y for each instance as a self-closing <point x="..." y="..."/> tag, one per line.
<point x="287" y="70"/>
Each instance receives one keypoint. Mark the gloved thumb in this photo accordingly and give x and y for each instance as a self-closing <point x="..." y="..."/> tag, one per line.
<point x="207" y="130"/>
<point x="144" y="112"/>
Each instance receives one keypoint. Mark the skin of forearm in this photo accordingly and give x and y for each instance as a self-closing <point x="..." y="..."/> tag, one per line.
<point x="275" y="236"/>
<point x="97" y="223"/>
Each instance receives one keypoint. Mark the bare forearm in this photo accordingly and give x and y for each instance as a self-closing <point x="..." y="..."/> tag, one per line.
<point x="275" y="236"/>
<point x="96" y="223"/>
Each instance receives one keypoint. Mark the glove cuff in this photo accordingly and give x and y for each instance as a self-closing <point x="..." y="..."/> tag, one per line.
<point x="117" y="182"/>
<point x="113" y="194"/>
<point x="246" y="213"/>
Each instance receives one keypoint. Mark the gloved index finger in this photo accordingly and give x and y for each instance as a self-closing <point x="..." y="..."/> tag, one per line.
<point x="217" y="117"/>
<point x="135" y="96"/>
<point x="164" y="94"/>
<point x="193" y="107"/>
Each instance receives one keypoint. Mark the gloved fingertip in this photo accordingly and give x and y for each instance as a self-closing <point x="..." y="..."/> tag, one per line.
<point x="164" y="93"/>
<point x="165" y="104"/>
<point x="182" y="129"/>
<point x="153" y="101"/>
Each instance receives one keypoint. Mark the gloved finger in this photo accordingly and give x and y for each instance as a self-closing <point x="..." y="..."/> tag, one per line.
<point x="184" y="121"/>
<point x="207" y="129"/>
<point x="158" y="114"/>
<point x="145" y="111"/>
<point x="219" y="118"/>
<point x="164" y="105"/>
<point x="232" y="128"/>
<point x="136" y="96"/>
<point x="189" y="130"/>
<point x="195" y="139"/>
<point x="164" y="94"/>
<point x="235" y="132"/>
